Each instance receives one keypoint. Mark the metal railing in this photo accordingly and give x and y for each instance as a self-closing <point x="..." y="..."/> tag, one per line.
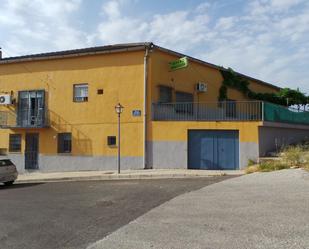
<point x="19" y="119"/>
<point x="212" y="111"/>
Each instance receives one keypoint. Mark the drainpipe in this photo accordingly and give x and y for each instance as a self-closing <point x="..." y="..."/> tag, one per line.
<point x="145" y="105"/>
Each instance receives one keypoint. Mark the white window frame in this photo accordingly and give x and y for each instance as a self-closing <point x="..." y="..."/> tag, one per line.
<point x="82" y="94"/>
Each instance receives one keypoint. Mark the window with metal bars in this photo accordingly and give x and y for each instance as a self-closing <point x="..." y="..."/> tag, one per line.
<point x="15" y="143"/>
<point x="64" y="142"/>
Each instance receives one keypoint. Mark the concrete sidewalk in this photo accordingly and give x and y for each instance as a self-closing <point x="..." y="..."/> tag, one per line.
<point x="35" y="177"/>
<point x="257" y="211"/>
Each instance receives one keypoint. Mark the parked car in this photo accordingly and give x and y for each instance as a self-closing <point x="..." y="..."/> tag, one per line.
<point x="8" y="172"/>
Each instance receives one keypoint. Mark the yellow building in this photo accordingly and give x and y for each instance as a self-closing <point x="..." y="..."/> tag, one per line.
<point x="57" y="112"/>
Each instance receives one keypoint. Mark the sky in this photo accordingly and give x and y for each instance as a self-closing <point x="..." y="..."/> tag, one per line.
<point x="265" y="39"/>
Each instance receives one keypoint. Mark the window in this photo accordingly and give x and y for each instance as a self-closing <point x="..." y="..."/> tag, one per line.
<point x="31" y="108"/>
<point x="184" y="102"/>
<point x="15" y="143"/>
<point x="100" y="91"/>
<point x="111" y="140"/>
<point x="3" y="151"/>
<point x="165" y="94"/>
<point x="80" y="93"/>
<point x="230" y="109"/>
<point x="64" y="143"/>
<point x="182" y="97"/>
<point x="5" y="162"/>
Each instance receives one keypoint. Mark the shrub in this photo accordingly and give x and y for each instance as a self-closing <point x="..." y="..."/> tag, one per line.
<point x="252" y="169"/>
<point x="268" y="166"/>
<point x="251" y="162"/>
<point x="306" y="161"/>
<point x="293" y="156"/>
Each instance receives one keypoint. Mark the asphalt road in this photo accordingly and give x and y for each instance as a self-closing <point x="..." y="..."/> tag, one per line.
<point x="258" y="211"/>
<point x="73" y="215"/>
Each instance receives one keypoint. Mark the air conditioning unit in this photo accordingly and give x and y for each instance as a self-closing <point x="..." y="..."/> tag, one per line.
<point x="5" y="99"/>
<point x="201" y="87"/>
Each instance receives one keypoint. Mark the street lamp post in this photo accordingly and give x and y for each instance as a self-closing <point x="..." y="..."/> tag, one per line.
<point x="119" y="109"/>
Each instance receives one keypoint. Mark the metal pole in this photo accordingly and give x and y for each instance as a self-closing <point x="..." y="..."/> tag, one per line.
<point x="118" y="143"/>
<point x="263" y="110"/>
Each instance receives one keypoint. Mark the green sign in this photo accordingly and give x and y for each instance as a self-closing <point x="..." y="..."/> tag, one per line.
<point x="178" y="64"/>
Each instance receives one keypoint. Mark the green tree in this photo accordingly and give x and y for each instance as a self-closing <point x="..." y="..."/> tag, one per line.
<point x="293" y="97"/>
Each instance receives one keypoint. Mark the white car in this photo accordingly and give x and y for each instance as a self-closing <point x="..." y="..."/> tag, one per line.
<point x="8" y="172"/>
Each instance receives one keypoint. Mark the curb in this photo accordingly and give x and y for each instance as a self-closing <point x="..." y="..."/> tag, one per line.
<point x="119" y="177"/>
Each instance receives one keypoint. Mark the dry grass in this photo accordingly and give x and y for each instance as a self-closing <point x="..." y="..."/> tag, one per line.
<point x="252" y="169"/>
<point x="306" y="160"/>
<point x="268" y="166"/>
<point x="293" y="156"/>
<point x="296" y="156"/>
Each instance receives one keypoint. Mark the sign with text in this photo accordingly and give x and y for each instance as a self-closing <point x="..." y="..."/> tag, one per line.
<point x="178" y="64"/>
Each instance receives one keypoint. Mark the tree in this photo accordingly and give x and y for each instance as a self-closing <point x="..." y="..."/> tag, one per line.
<point x="293" y="97"/>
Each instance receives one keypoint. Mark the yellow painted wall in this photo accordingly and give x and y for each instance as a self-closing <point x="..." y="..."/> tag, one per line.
<point x="178" y="131"/>
<point x="120" y="75"/>
<point x="184" y="80"/>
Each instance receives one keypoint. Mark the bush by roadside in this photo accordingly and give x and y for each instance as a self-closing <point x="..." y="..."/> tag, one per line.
<point x="266" y="166"/>
<point x="296" y="156"/>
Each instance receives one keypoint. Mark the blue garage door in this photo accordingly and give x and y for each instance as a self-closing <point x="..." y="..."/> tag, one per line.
<point x="213" y="149"/>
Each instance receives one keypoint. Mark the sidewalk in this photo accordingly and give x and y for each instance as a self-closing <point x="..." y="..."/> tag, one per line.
<point x="35" y="177"/>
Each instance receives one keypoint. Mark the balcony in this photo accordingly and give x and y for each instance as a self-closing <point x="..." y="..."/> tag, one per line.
<point x="228" y="111"/>
<point x="24" y="119"/>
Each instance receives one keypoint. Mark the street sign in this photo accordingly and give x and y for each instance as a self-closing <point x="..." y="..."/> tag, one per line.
<point x="178" y="64"/>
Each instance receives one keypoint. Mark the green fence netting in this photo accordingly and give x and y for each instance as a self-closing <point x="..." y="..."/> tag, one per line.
<point x="276" y="113"/>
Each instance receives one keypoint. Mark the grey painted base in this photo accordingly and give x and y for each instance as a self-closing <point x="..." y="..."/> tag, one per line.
<point x="160" y="155"/>
<point x="272" y="139"/>
<point x="174" y="155"/>
<point x="167" y="155"/>
<point x="17" y="159"/>
<point x="61" y="163"/>
<point x="248" y="151"/>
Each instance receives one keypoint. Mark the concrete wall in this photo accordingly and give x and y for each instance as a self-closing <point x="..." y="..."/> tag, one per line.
<point x="58" y="163"/>
<point x="272" y="139"/>
<point x="167" y="155"/>
<point x="248" y="151"/>
<point x="61" y="163"/>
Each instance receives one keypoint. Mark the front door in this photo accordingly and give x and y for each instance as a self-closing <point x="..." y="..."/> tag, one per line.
<point x="32" y="151"/>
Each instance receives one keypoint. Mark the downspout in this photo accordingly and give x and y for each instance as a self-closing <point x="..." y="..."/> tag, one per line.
<point x="145" y="105"/>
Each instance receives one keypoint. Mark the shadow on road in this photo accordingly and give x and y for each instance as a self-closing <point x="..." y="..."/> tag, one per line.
<point x="19" y="185"/>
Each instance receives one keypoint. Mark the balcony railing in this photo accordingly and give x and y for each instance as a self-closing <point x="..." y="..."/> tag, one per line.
<point x="229" y="111"/>
<point x="212" y="111"/>
<point x="11" y="119"/>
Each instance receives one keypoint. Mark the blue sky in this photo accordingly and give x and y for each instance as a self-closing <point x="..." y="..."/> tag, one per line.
<point x="266" y="39"/>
